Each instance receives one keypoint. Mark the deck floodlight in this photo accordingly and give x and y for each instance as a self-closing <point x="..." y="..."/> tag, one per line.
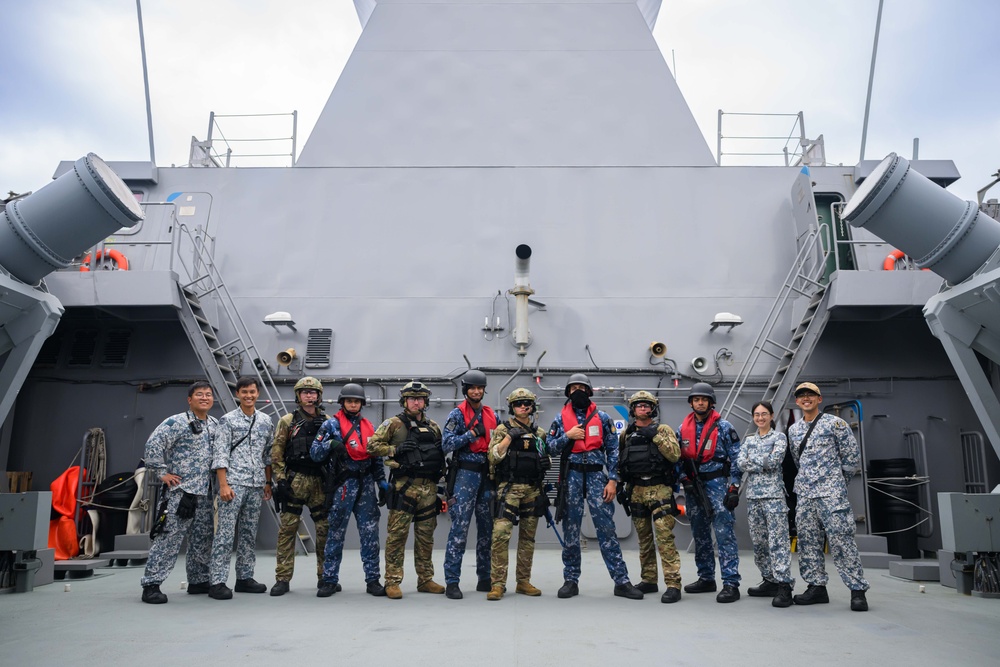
<point x="280" y="318"/>
<point x="726" y="320"/>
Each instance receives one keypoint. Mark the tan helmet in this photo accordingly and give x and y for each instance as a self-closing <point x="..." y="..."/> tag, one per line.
<point x="643" y="397"/>
<point x="413" y="389"/>
<point x="522" y="394"/>
<point x="308" y="382"/>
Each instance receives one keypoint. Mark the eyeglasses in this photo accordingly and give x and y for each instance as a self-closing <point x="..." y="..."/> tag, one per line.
<point x="523" y="404"/>
<point x="308" y="391"/>
<point x="202" y="394"/>
<point x="761" y="414"/>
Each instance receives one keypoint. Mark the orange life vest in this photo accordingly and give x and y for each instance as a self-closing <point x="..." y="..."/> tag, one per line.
<point x="593" y="431"/>
<point x="690" y="448"/>
<point x="357" y="444"/>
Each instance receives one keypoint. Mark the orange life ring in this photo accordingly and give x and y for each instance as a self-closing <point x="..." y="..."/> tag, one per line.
<point x="115" y="255"/>
<point x="890" y="261"/>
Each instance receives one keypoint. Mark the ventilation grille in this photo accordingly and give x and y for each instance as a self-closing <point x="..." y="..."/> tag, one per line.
<point x="48" y="356"/>
<point x="318" y="348"/>
<point x="82" y="348"/>
<point x="116" y="347"/>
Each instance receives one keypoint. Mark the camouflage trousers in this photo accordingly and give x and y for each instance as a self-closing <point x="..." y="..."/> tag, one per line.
<point x="768" y="519"/>
<point x="725" y="535"/>
<point x="166" y="546"/>
<point x="515" y="496"/>
<point x="355" y="496"/>
<point x="473" y="494"/>
<point x="834" y="515"/>
<point x="236" y="521"/>
<point x="308" y="492"/>
<point x="422" y="494"/>
<point x="604" y="523"/>
<point x="655" y="501"/>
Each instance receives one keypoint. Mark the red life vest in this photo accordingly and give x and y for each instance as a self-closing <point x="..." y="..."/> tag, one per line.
<point x="479" y="445"/>
<point x="690" y="448"/>
<point x="593" y="432"/>
<point x="357" y="446"/>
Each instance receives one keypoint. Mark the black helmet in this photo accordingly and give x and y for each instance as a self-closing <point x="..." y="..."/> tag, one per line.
<point x="702" y="389"/>
<point x="579" y="378"/>
<point x="473" y="378"/>
<point x="352" y="390"/>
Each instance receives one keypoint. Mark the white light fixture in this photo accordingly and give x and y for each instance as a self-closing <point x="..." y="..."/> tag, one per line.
<point x="726" y="320"/>
<point x="280" y="318"/>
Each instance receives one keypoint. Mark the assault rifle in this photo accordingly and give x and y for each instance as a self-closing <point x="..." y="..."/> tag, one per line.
<point x="696" y="488"/>
<point x="624" y="496"/>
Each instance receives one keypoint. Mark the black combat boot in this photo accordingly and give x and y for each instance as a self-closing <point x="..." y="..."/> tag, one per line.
<point x="627" y="590"/>
<point x="728" y="594"/>
<point x="670" y="595"/>
<point x="453" y="592"/>
<point x="484" y="586"/>
<point x="373" y="587"/>
<point x="813" y="595"/>
<point x="279" y="588"/>
<point x="568" y="590"/>
<point x="199" y="589"/>
<point x="858" y="601"/>
<point x="249" y="586"/>
<point x="220" y="592"/>
<point x="765" y="589"/>
<point x="647" y="587"/>
<point x="783" y="598"/>
<point x="152" y="595"/>
<point x="701" y="586"/>
<point x="325" y="589"/>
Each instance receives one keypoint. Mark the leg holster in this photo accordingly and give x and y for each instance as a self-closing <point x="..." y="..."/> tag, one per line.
<point x="662" y="509"/>
<point x="639" y="511"/>
<point x="426" y="513"/>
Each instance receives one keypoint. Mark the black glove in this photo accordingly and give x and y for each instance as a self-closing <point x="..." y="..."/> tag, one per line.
<point x="648" y="432"/>
<point x="281" y="492"/>
<point x="517" y="432"/>
<point x="479" y="429"/>
<point x="732" y="497"/>
<point x="337" y="448"/>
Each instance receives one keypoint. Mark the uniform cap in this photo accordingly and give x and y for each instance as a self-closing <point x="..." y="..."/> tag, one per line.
<point x="807" y="386"/>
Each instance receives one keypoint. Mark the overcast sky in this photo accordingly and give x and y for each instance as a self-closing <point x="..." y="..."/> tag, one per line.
<point x="72" y="77"/>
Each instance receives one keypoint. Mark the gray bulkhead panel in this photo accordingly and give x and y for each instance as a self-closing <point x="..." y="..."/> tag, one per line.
<point x="500" y="84"/>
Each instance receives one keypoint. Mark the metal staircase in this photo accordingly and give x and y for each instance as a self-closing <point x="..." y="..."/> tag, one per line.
<point x="803" y="279"/>
<point x="218" y="358"/>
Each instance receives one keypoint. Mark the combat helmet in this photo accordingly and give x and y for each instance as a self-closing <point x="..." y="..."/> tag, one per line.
<point x="702" y="389"/>
<point x="309" y="382"/>
<point x="579" y="378"/>
<point x="643" y="397"/>
<point x="522" y="394"/>
<point x="473" y="378"/>
<point x="413" y="389"/>
<point x="352" y="390"/>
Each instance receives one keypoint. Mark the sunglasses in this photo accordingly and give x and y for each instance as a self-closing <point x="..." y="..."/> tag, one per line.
<point x="523" y="404"/>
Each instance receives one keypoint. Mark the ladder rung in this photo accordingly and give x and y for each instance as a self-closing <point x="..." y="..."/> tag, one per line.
<point x="777" y="344"/>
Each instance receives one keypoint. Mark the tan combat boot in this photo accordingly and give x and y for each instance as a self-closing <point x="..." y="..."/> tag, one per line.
<point x="496" y="592"/>
<point x="392" y="592"/>
<point x="525" y="588"/>
<point x="430" y="587"/>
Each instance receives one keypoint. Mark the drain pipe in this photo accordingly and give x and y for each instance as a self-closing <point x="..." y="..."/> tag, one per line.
<point x="521" y="291"/>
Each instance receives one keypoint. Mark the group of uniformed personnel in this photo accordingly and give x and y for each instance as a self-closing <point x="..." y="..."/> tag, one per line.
<point x="335" y="466"/>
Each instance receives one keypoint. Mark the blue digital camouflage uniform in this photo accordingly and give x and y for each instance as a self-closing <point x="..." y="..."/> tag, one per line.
<point x="243" y="449"/>
<point x="589" y="486"/>
<point x="356" y="495"/>
<point x="473" y="492"/>
<point x="173" y="448"/>
<point x="826" y="464"/>
<point x="760" y="459"/>
<point x="727" y="445"/>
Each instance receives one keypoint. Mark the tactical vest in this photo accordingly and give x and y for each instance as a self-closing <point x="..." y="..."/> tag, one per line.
<point x="420" y="454"/>
<point x="523" y="463"/>
<point x="640" y="457"/>
<point x="301" y="434"/>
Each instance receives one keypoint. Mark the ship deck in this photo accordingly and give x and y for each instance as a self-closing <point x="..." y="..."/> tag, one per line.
<point x="101" y="621"/>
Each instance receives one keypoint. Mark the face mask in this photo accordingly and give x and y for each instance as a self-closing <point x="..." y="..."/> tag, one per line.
<point x="579" y="399"/>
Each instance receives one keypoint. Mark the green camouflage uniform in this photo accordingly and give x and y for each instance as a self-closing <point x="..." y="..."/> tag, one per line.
<point x="657" y="522"/>
<point x="422" y="492"/>
<point x="308" y="490"/>
<point x="515" y="495"/>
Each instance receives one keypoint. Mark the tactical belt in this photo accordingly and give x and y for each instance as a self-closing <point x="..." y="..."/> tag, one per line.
<point x="525" y="480"/>
<point x="474" y="466"/>
<point x="715" y="474"/>
<point x="303" y="468"/>
<point x="586" y="467"/>
<point x="650" y="481"/>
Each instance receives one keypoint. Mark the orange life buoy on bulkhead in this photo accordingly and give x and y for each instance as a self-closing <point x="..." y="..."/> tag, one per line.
<point x="120" y="260"/>
<point x="890" y="260"/>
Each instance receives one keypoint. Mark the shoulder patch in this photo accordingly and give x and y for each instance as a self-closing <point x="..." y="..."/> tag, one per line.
<point x="386" y="423"/>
